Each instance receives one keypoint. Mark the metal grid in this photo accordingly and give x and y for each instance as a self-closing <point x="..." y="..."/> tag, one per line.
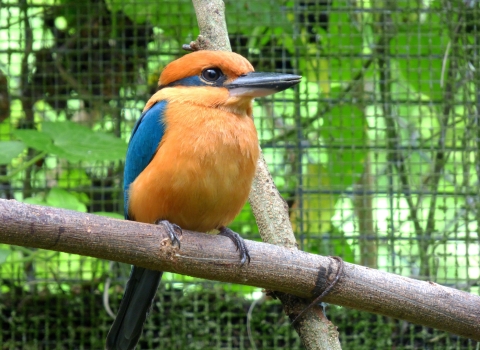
<point x="376" y="152"/>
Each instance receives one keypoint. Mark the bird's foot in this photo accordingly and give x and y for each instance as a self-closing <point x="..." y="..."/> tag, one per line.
<point x="171" y="228"/>
<point x="239" y="243"/>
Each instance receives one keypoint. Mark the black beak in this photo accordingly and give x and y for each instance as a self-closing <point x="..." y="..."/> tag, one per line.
<point x="261" y="84"/>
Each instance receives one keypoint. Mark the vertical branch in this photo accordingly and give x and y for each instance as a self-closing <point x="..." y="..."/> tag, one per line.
<point x="5" y="185"/>
<point x="26" y="99"/>
<point x="395" y="156"/>
<point x="213" y="28"/>
<point x="362" y="202"/>
<point x="363" y="197"/>
<point x="475" y="31"/>
<point x="269" y="208"/>
<point x="440" y="157"/>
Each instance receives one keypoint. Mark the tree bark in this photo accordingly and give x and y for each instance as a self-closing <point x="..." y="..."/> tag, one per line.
<point x="214" y="257"/>
<point x="269" y="208"/>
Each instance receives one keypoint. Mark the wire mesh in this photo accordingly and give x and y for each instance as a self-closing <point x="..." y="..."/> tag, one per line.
<point x="376" y="152"/>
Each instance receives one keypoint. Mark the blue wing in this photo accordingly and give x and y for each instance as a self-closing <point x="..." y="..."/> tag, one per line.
<point x="143" y="283"/>
<point x="147" y="134"/>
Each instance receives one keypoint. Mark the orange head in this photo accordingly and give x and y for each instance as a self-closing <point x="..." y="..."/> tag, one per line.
<point x="192" y="65"/>
<point x="222" y="80"/>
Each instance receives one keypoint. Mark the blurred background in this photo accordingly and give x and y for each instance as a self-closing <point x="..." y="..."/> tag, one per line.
<point x="377" y="153"/>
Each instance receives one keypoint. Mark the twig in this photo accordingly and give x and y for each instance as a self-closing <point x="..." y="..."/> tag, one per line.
<point x="444" y="63"/>
<point x="249" y="321"/>
<point x="396" y="158"/>
<point x="24" y="166"/>
<point x="70" y="80"/>
<point x="105" y="299"/>
<point x="362" y="201"/>
<point x="440" y="158"/>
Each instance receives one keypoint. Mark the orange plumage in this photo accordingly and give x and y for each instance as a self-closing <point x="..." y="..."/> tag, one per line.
<point x="202" y="172"/>
<point x="232" y="64"/>
<point x="201" y="175"/>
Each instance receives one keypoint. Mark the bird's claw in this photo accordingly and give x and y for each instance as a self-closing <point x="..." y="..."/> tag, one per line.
<point x="171" y="230"/>
<point x="239" y="244"/>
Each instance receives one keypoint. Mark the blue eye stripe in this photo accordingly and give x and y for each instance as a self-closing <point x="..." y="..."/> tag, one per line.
<point x="196" y="81"/>
<point x="190" y="81"/>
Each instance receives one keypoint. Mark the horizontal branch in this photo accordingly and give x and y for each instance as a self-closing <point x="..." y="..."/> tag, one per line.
<point x="214" y="257"/>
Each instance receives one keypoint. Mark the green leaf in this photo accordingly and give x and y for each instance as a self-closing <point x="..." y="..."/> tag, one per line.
<point x="342" y="43"/>
<point x="341" y="247"/>
<point x="176" y="18"/>
<point x="421" y="49"/>
<point x="5" y="129"/>
<point x="244" y="222"/>
<point x="58" y="198"/>
<point x="345" y="135"/>
<point x="318" y="205"/>
<point x="77" y="142"/>
<point x="244" y="15"/>
<point x="82" y="197"/>
<point x="73" y="142"/>
<point x="37" y="140"/>
<point x="4" y="254"/>
<point x="72" y="178"/>
<point x="10" y="150"/>
<point x="344" y="37"/>
<point x="37" y="200"/>
<point x="10" y="267"/>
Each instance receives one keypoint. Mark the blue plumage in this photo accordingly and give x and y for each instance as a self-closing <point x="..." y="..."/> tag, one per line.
<point x="143" y="283"/>
<point x="146" y="136"/>
<point x="190" y="81"/>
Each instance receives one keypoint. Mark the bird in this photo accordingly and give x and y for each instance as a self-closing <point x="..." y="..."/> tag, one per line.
<point x="190" y="163"/>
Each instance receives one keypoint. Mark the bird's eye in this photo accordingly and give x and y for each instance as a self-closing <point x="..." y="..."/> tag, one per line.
<point x="212" y="74"/>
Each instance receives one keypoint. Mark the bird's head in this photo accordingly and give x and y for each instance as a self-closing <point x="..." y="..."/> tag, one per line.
<point x="223" y="80"/>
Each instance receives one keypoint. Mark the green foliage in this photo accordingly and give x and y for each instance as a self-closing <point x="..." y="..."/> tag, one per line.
<point x="10" y="150"/>
<point x="344" y="133"/>
<point x="243" y="14"/>
<point x="73" y="142"/>
<point x="4" y="254"/>
<point x="176" y="18"/>
<point x="341" y="247"/>
<point x="58" y="198"/>
<point x="423" y="55"/>
<point x="72" y="178"/>
<point x="244" y="224"/>
<point x="35" y="139"/>
<point x="344" y="42"/>
<point x="172" y="15"/>
<point x="5" y="129"/>
<point x="318" y="207"/>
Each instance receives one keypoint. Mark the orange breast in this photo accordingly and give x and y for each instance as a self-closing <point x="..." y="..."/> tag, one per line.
<point x="201" y="175"/>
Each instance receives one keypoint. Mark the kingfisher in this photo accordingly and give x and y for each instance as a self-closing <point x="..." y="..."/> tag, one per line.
<point x="190" y="163"/>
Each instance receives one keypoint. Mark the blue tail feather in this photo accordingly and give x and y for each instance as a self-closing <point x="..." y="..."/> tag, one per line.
<point x="134" y="308"/>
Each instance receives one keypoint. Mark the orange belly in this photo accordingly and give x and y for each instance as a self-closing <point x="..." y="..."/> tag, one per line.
<point x="202" y="173"/>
